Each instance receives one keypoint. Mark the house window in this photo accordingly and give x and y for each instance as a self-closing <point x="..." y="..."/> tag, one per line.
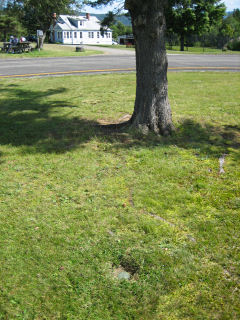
<point x="68" y="35"/>
<point x="90" y="34"/>
<point x="75" y="34"/>
<point x="80" y="34"/>
<point x="65" y="35"/>
<point x="98" y="34"/>
<point x="81" y="23"/>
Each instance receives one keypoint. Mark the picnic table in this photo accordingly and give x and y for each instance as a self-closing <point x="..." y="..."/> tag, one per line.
<point x="20" y="47"/>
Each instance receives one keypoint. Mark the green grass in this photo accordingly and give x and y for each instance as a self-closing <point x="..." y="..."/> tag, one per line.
<point x="50" y="50"/>
<point x="77" y="202"/>
<point x="176" y="49"/>
<point x="114" y="46"/>
<point x="200" y="50"/>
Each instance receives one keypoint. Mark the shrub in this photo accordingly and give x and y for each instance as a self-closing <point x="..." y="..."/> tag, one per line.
<point x="234" y="44"/>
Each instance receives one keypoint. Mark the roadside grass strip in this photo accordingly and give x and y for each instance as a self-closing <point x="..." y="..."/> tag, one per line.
<point x="50" y="50"/>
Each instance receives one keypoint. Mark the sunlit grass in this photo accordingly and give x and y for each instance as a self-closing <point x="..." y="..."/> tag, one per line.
<point x="199" y="50"/>
<point x="50" y="50"/>
<point x="176" y="49"/>
<point x="78" y="203"/>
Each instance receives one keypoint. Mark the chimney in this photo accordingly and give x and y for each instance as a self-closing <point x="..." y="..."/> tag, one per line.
<point x="54" y="16"/>
<point x="88" y="16"/>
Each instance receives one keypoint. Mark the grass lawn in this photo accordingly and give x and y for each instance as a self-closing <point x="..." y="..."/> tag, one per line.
<point x="79" y="205"/>
<point x="114" y="46"/>
<point x="200" y="50"/>
<point x="50" y="50"/>
<point x="176" y="49"/>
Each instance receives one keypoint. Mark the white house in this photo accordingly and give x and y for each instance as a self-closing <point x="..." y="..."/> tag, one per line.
<point x="79" y="30"/>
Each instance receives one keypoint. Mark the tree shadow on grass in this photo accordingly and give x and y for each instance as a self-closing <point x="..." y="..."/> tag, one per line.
<point x="205" y="140"/>
<point x="26" y="122"/>
<point x="208" y="138"/>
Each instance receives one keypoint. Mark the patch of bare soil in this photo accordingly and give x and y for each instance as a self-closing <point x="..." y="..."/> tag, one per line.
<point x="121" y="120"/>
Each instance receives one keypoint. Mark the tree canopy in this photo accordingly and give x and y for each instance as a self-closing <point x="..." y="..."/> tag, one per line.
<point x="9" y="26"/>
<point x="193" y="16"/>
<point x="39" y="14"/>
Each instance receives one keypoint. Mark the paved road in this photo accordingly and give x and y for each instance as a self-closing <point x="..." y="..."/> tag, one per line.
<point x="112" y="61"/>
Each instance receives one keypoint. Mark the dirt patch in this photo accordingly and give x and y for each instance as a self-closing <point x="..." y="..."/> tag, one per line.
<point x="127" y="270"/>
<point x="123" y="119"/>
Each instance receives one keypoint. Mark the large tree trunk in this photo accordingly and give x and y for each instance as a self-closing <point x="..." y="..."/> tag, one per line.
<point x="152" y="109"/>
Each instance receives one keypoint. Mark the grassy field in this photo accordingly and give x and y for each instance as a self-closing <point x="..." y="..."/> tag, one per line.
<point x="114" y="46"/>
<point x="50" y="50"/>
<point x="200" y="50"/>
<point x="80" y="205"/>
<point x="176" y="49"/>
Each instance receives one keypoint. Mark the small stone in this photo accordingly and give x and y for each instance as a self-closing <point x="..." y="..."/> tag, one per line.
<point x="191" y="238"/>
<point x="124" y="275"/>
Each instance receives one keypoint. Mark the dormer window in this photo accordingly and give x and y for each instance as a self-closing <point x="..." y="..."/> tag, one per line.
<point x="81" y="23"/>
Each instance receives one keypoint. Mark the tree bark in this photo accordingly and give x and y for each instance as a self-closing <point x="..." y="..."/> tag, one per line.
<point x="182" y="42"/>
<point x="5" y="35"/>
<point x="152" y="109"/>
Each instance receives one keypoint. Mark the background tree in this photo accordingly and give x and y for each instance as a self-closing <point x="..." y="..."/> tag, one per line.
<point x="118" y="28"/>
<point x="9" y="26"/>
<point x="233" y="22"/>
<point x="187" y="17"/>
<point x="225" y="33"/>
<point x="232" y="29"/>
